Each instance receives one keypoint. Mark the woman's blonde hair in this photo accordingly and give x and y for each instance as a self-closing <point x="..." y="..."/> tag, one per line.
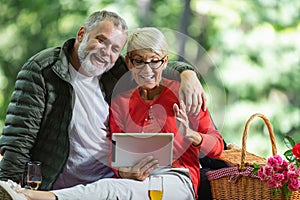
<point x="148" y="38"/>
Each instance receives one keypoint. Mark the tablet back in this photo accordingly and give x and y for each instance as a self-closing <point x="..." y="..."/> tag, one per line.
<point x="129" y="148"/>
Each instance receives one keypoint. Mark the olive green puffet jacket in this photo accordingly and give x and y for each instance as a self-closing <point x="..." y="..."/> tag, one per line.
<point x="40" y="111"/>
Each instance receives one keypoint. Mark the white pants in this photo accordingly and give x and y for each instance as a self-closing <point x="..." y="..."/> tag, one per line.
<point x="176" y="183"/>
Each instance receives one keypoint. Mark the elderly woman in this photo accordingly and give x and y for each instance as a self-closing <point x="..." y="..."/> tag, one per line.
<point x="152" y="106"/>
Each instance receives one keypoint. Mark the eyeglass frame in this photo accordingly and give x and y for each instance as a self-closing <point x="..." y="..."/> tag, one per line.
<point x="148" y="63"/>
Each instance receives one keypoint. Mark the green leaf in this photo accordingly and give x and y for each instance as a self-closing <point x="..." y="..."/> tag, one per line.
<point x="286" y="192"/>
<point x="289" y="155"/>
<point x="289" y="142"/>
<point x="255" y="171"/>
<point x="297" y="163"/>
<point x="275" y="192"/>
<point x="256" y="168"/>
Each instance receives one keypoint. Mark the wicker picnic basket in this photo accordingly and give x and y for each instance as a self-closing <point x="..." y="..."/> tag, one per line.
<point x="238" y="182"/>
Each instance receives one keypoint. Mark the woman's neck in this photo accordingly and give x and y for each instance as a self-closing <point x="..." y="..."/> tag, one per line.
<point x="150" y="94"/>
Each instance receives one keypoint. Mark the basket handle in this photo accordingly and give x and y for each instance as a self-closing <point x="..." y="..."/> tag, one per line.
<point x="271" y="133"/>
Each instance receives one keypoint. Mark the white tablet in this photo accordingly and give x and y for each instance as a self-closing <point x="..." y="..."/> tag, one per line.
<point x="129" y="148"/>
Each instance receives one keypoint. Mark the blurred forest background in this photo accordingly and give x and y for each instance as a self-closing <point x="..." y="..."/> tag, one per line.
<point x="247" y="52"/>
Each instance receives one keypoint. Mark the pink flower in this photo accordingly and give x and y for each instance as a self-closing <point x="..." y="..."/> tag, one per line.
<point x="292" y="175"/>
<point x="294" y="184"/>
<point x="278" y="177"/>
<point x="275" y="161"/>
<point x="291" y="167"/>
<point x="285" y="174"/>
<point x="265" y="172"/>
<point x="298" y="171"/>
<point x="285" y="164"/>
<point x="274" y="184"/>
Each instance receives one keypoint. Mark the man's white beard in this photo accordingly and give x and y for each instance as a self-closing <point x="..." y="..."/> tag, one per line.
<point x="85" y="60"/>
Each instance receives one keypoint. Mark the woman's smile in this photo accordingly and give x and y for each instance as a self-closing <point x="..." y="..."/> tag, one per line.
<point x="147" y="77"/>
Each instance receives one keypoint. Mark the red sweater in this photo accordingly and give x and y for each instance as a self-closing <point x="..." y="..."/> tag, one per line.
<point x="131" y="113"/>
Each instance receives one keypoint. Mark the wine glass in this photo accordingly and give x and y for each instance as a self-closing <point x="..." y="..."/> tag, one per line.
<point x="34" y="174"/>
<point x="155" y="191"/>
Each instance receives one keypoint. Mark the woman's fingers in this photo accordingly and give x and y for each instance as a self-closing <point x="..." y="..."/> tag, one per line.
<point x="143" y="168"/>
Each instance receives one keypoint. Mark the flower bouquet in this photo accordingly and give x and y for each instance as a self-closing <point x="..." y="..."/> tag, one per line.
<point x="280" y="174"/>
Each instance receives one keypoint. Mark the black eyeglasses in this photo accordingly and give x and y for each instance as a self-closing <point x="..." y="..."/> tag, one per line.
<point x="153" y="64"/>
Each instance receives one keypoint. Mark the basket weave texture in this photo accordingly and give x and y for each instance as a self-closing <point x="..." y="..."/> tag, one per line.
<point x="238" y="182"/>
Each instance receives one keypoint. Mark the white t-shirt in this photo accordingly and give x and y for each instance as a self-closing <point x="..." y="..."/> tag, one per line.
<point x="89" y="139"/>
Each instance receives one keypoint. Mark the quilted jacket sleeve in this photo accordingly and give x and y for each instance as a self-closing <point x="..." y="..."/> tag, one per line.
<point x="23" y="120"/>
<point x="174" y="69"/>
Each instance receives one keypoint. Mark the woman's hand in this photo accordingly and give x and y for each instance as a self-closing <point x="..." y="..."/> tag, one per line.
<point x="141" y="170"/>
<point x="192" y="92"/>
<point x="181" y="117"/>
<point x="182" y="122"/>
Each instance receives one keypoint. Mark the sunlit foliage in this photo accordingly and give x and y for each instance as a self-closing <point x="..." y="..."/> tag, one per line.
<point x="246" y="51"/>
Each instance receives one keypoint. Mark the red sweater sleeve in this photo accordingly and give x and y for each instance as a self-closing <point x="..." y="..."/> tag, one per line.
<point x="115" y="127"/>
<point x="212" y="143"/>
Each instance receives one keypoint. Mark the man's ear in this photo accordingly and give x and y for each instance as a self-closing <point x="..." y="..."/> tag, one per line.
<point x="80" y="34"/>
<point x="128" y="62"/>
